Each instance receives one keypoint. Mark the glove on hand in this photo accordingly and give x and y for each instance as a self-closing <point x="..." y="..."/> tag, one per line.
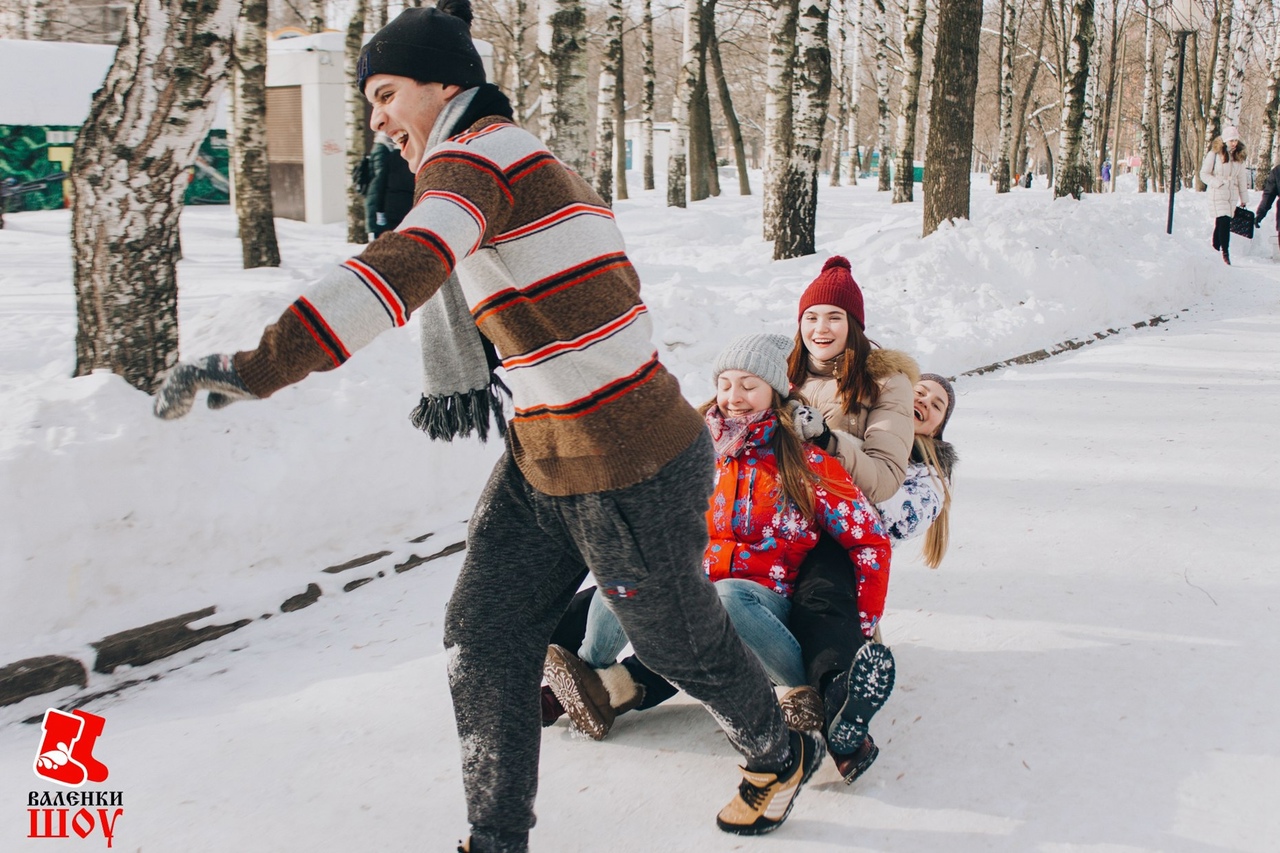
<point x="809" y="424"/>
<point x="213" y="373"/>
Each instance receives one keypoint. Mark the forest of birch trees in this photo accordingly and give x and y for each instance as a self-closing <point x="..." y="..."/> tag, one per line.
<point x="780" y="97"/>
<point x="845" y="90"/>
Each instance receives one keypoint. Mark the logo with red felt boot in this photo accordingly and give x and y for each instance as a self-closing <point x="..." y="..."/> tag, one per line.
<point x="65" y="757"/>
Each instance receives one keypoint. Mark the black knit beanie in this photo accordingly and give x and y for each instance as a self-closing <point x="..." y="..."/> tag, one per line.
<point x="427" y="45"/>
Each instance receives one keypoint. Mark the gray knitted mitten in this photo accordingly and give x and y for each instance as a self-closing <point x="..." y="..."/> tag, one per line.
<point x="213" y="373"/>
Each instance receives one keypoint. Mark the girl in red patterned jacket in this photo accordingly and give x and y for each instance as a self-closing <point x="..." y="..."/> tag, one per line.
<point x="773" y="494"/>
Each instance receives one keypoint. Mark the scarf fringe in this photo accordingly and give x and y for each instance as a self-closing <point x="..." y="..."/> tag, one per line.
<point x="447" y="416"/>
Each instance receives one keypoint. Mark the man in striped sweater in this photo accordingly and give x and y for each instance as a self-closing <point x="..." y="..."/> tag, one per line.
<point x="607" y="468"/>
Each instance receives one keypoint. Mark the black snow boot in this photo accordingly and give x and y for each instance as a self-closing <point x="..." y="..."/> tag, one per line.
<point x="852" y="698"/>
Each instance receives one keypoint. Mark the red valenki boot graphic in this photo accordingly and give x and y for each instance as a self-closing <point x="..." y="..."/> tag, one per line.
<point x="82" y="749"/>
<point x="53" y="759"/>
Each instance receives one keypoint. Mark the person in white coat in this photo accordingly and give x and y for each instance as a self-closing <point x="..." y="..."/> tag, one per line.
<point x="1223" y="172"/>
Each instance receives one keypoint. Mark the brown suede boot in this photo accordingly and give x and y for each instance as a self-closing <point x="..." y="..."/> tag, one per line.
<point x="803" y="709"/>
<point x="591" y="698"/>
<point x="854" y="764"/>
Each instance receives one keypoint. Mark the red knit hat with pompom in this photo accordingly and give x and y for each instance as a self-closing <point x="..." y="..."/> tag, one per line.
<point x="835" y="286"/>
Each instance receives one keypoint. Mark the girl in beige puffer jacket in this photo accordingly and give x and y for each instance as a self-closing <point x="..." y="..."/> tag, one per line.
<point x="865" y="395"/>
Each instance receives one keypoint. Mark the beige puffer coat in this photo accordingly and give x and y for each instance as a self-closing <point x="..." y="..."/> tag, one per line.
<point x="1227" y="179"/>
<point x="873" y="445"/>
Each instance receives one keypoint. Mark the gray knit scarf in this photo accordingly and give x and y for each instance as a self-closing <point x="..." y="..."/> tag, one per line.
<point x="459" y="391"/>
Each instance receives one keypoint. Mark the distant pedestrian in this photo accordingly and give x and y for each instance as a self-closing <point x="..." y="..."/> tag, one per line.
<point x="1269" y="189"/>
<point x="1224" y="173"/>
<point x="1106" y="171"/>
<point x="390" y="193"/>
<point x="1026" y="180"/>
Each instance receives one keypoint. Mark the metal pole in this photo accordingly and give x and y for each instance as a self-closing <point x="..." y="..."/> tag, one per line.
<point x="1177" y="128"/>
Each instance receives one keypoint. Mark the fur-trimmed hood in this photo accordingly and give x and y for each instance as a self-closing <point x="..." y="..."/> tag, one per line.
<point x="883" y="363"/>
<point x="1219" y="147"/>
<point x="947" y="456"/>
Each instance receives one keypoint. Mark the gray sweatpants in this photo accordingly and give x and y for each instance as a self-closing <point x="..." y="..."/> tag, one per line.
<point x="527" y="553"/>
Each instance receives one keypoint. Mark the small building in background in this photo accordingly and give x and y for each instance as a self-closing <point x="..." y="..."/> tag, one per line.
<point x="41" y="114"/>
<point x="635" y="144"/>
<point x="306" y="126"/>
<point x="306" y="122"/>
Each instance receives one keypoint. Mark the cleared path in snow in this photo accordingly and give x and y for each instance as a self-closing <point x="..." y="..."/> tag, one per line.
<point x="1093" y="668"/>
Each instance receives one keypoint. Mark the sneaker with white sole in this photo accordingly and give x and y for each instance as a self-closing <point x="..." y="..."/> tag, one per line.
<point x="765" y="799"/>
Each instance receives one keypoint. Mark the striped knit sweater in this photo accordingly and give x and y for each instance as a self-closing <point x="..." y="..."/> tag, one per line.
<point x="544" y="271"/>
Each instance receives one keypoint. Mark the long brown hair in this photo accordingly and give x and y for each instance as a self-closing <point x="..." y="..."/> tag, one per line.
<point x="796" y="479"/>
<point x="857" y="388"/>
<point x="939" y="533"/>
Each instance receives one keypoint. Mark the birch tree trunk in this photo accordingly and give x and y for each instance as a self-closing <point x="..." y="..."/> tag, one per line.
<point x="129" y="175"/>
<point x="610" y="71"/>
<point x="1088" y="122"/>
<point x="646" y="98"/>
<point x="315" y="16"/>
<point x="1071" y="180"/>
<point x="778" y="108"/>
<point x="701" y="151"/>
<point x="1222" y="59"/>
<point x="912" y="59"/>
<point x="1271" y="107"/>
<point x="1148" y="98"/>
<point x="250" y="173"/>
<point x="854" y="83"/>
<point x="378" y="18"/>
<point x="798" y="196"/>
<point x="1008" y="47"/>
<point x="881" y="30"/>
<point x="620" y="118"/>
<point x="1103" y="96"/>
<point x="1239" y="57"/>
<point x="730" y="115"/>
<point x="1168" y="93"/>
<point x="840" y="91"/>
<point x="357" y="226"/>
<point x="562" y="59"/>
<point x="686" y="83"/>
<point x="1020" y="148"/>
<point x="519" y="68"/>
<point x="949" y="146"/>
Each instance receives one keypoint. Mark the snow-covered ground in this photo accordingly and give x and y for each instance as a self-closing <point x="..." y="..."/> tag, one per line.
<point x="1091" y="669"/>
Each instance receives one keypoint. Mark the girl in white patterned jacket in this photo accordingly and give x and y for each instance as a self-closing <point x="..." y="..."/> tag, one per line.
<point x="923" y="503"/>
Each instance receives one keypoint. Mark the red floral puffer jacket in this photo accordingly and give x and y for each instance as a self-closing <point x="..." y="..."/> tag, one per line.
<point x="759" y="535"/>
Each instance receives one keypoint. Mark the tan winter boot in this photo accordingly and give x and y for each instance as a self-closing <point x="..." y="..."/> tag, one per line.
<point x="591" y="698"/>
<point x="803" y="710"/>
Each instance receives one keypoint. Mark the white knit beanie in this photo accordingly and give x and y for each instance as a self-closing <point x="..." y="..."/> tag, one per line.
<point x="763" y="355"/>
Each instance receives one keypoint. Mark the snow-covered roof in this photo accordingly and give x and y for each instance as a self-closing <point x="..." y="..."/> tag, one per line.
<point x="51" y="83"/>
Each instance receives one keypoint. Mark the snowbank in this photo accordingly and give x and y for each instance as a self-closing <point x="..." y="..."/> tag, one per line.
<point x="110" y="518"/>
